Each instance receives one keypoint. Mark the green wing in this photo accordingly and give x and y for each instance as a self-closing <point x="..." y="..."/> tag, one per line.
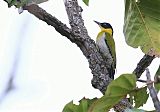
<point x="111" y="44"/>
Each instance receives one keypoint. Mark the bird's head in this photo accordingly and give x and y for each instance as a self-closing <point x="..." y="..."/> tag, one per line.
<point x="105" y="27"/>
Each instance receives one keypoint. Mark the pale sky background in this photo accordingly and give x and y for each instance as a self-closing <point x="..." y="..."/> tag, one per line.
<point x="50" y="70"/>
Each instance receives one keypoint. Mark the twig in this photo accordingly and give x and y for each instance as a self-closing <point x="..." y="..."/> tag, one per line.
<point x="143" y="64"/>
<point x="143" y="81"/>
<point x="9" y="87"/>
<point x="152" y="91"/>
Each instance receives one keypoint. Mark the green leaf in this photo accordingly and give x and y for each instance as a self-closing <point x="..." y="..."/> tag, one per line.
<point x="157" y="80"/>
<point x="16" y="3"/>
<point x="8" y="1"/>
<point x="35" y="1"/>
<point x="70" y="107"/>
<point x="20" y="3"/>
<point x="105" y="103"/>
<point x="122" y="85"/>
<point x="142" y="25"/>
<point x="83" y="106"/>
<point x="116" y="90"/>
<point x="86" y="2"/>
<point x="140" y="97"/>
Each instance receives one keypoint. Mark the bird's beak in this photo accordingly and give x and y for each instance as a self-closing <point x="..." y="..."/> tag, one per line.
<point x="98" y="23"/>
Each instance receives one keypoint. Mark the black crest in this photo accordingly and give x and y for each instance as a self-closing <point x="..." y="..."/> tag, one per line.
<point x="106" y="25"/>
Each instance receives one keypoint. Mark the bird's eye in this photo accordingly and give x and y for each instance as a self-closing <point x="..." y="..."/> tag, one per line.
<point x="105" y="24"/>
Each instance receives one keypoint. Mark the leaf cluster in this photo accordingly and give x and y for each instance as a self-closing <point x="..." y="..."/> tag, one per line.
<point x="117" y="90"/>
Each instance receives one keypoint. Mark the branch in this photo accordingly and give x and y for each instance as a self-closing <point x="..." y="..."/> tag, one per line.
<point x="152" y="91"/>
<point x="143" y="64"/>
<point x="50" y="20"/>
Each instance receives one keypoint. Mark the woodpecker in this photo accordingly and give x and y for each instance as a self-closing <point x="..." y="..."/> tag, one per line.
<point x="106" y="45"/>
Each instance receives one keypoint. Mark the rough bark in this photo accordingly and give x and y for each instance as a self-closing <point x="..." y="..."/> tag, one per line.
<point x="142" y="65"/>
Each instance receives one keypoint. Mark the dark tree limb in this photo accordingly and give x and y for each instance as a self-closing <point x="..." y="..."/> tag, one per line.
<point x="152" y="91"/>
<point x="143" y="64"/>
<point x="50" y="20"/>
<point x="140" y="80"/>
